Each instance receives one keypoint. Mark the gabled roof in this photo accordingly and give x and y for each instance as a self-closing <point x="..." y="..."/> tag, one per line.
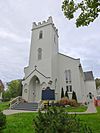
<point x="68" y="56"/>
<point x="38" y="72"/>
<point x="88" y="76"/>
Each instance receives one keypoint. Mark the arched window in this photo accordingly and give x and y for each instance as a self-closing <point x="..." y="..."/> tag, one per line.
<point x="39" y="53"/>
<point x="41" y="34"/>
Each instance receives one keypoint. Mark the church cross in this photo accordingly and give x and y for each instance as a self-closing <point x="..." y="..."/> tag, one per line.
<point x="35" y="67"/>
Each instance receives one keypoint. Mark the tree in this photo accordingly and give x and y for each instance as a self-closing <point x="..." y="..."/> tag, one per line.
<point x="14" y="90"/>
<point x="66" y="94"/>
<point x="6" y="95"/>
<point x="97" y="81"/>
<point x="62" y="92"/>
<point x="57" y="120"/>
<point x="1" y="86"/>
<point x="88" y="9"/>
<point x="74" y="96"/>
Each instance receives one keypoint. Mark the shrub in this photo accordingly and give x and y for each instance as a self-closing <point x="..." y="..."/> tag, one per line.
<point x="57" y="104"/>
<point x="74" y="96"/>
<point x="73" y="103"/>
<point x="66" y="94"/>
<point x="56" y="120"/>
<point x="2" y="120"/>
<point x="64" y="101"/>
<point x="62" y="92"/>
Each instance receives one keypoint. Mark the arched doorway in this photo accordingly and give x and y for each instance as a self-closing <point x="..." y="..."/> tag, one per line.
<point x="34" y="90"/>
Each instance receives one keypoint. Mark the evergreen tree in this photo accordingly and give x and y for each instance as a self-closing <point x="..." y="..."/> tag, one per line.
<point x="66" y="94"/>
<point x="56" y="120"/>
<point x="62" y="92"/>
<point x="74" y="96"/>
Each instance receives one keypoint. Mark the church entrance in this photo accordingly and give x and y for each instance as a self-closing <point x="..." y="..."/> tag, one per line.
<point x="34" y="90"/>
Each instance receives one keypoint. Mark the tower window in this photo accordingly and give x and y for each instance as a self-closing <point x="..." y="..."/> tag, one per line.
<point x="39" y="53"/>
<point x="41" y="34"/>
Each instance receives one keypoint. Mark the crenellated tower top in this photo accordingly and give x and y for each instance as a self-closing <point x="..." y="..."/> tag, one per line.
<point x="44" y="23"/>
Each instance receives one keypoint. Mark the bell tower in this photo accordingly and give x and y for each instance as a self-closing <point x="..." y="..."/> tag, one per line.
<point x="44" y="47"/>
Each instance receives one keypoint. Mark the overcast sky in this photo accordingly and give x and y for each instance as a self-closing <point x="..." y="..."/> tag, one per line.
<point x="16" y="17"/>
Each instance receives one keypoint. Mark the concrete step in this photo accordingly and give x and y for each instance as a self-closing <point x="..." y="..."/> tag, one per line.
<point x="26" y="106"/>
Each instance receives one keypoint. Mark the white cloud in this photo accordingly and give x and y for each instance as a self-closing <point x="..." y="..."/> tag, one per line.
<point x="15" y="36"/>
<point x="12" y="36"/>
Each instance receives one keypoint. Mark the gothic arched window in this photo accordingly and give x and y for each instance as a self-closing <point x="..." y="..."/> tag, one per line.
<point x="41" y="34"/>
<point x="39" y="53"/>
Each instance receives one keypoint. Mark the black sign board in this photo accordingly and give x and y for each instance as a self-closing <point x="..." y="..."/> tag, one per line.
<point x="48" y="94"/>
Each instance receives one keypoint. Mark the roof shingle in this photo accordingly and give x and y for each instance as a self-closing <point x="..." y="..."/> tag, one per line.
<point x="88" y="76"/>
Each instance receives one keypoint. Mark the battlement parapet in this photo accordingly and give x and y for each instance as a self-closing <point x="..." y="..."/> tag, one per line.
<point x="44" y="23"/>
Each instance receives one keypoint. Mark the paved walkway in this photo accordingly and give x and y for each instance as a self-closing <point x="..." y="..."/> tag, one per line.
<point x="90" y="110"/>
<point x="10" y="111"/>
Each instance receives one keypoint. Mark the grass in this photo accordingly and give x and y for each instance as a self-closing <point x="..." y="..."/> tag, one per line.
<point x="23" y="122"/>
<point x="76" y="109"/>
<point x="20" y="123"/>
<point x="93" y="120"/>
<point x="4" y="105"/>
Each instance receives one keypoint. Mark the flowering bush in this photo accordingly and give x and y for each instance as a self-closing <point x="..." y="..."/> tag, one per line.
<point x="64" y="101"/>
<point x="73" y="103"/>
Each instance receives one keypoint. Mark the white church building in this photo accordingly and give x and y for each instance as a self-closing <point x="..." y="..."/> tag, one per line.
<point x="49" y="68"/>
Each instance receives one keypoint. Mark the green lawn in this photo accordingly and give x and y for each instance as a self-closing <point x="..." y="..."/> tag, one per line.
<point x="4" y="105"/>
<point x="20" y="123"/>
<point x="23" y="122"/>
<point x="76" y="109"/>
<point x="93" y="120"/>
